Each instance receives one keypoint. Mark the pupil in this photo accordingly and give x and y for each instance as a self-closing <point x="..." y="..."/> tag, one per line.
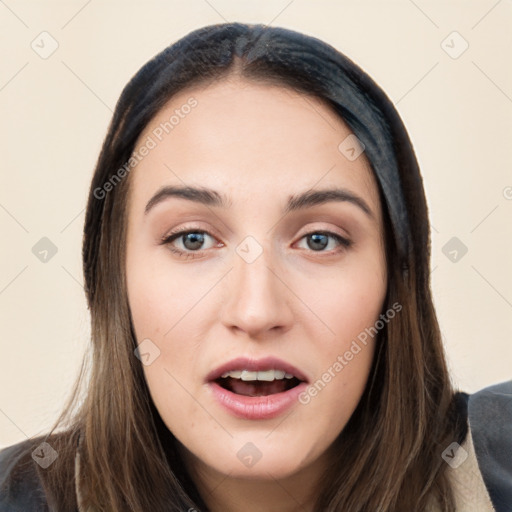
<point x="196" y="240"/>
<point x="317" y="238"/>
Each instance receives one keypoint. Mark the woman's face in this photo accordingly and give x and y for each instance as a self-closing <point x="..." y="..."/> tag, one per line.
<point x="275" y="273"/>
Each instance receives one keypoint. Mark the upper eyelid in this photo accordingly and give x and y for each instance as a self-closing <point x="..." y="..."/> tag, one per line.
<point x="181" y="232"/>
<point x="192" y="229"/>
<point x="213" y="232"/>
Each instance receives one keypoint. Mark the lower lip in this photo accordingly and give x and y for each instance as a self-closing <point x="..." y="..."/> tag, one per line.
<point x="256" y="407"/>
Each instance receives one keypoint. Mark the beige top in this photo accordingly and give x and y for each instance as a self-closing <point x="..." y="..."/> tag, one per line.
<point x="468" y="485"/>
<point x="469" y="488"/>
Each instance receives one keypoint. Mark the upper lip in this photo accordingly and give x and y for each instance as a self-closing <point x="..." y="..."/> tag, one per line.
<point x="266" y="363"/>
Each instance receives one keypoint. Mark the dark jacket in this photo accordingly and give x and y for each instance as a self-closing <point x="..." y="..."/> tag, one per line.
<point x="488" y="414"/>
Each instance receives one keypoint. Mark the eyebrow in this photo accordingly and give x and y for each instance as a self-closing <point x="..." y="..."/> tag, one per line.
<point x="295" y="202"/>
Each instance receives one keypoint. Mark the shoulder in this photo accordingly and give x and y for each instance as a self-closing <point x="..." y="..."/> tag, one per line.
<point x="20" y="486"/>
<point x="490" y="422"/>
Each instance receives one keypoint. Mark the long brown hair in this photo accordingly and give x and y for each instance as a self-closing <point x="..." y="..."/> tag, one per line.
<point x="388" y="457"/>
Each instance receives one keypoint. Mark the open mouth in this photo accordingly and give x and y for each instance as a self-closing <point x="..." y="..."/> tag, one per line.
<point x="263" y="383"/>
<point x="256" y="390"/>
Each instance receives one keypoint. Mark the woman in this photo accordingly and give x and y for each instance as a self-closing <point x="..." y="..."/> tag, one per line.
<point x="256" y="260"/>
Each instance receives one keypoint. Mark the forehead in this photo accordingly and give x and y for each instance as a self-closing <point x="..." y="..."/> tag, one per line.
<point x="243" y="136"/>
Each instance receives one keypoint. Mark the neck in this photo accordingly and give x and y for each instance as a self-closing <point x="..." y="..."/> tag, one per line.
<point x="224" y="493"/>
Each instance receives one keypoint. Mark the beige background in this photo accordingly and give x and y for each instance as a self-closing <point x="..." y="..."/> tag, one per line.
<point x="55" y="111"/>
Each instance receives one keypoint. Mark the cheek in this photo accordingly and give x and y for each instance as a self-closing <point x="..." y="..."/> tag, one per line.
<point x="347" y="299"/>
<point x="160" y="298"/>
<point x="168" y="309"/>
<point x="348" y="305"/>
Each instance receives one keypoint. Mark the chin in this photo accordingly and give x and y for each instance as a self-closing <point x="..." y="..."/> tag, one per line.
<point x="254" y="457"/>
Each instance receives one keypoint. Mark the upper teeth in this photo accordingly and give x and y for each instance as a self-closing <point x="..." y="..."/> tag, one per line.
<point x="267" y="375"/>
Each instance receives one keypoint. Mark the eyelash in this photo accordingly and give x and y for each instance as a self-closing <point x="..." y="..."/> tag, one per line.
<point x="174" y="235"/>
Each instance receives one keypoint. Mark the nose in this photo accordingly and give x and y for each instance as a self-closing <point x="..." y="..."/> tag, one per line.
<point x="258" y="299"/>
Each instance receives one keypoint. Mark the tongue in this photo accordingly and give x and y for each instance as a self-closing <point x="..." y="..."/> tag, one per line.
<point x="256" y="387"/>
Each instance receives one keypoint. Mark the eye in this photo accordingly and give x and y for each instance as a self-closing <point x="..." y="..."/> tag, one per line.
<point x="190" y="243"/>
<point x="187" y="242"/>
<point x="323" y="241"/>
